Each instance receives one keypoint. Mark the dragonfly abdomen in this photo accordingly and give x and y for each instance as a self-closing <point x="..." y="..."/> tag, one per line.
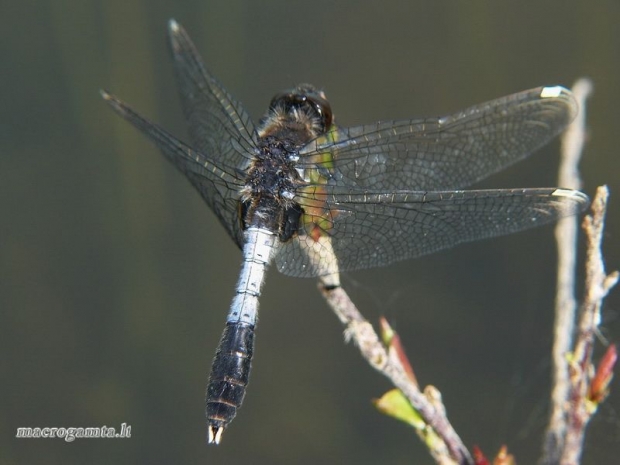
<point x="231" y="366"/>
<point x="229" y="377"/>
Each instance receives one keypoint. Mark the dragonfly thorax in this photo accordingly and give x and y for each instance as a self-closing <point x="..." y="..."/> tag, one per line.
<point x="267" y="199"/>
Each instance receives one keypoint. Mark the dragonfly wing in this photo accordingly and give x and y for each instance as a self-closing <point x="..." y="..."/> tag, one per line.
<point x="374" y="229"/>
<point x="217" y="123"/>
<point x="219" y="185"/>
<point x="444" y="153"/>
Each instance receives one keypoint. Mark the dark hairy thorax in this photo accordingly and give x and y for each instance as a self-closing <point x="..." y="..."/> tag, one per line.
<point x="267" y="200"/>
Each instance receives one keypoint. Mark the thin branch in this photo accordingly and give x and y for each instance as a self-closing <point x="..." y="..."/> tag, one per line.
<point x="581" y="369"/>
<point x="450" y="449"/>
<point x="573" y="141"/>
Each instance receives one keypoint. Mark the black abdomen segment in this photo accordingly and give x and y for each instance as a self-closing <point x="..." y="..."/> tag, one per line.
<point x="229" y="377"/>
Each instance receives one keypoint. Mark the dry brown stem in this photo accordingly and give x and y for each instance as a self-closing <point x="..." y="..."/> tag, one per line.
<point x="450" y="450"/>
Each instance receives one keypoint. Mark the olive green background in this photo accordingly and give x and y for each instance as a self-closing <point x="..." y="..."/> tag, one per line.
<point x="115" y="278"/>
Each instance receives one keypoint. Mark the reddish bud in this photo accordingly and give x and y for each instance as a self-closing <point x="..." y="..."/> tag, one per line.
<point x="395" y="348"/>
<point x="599" y="386"/>
<point x="479" y="458"/>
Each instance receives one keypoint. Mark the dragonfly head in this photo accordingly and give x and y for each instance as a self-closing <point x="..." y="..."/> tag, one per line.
<point x="303" y="104"/>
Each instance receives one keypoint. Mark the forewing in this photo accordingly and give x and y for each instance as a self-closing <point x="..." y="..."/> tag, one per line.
<point x="374" y="229"/>
<point x="444" y="153"/>
<point x="218" y="183"/>
<point x="218" y="125"/>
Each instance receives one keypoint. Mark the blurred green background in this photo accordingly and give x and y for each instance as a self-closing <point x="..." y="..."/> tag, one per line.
<point x="115" y="278"/>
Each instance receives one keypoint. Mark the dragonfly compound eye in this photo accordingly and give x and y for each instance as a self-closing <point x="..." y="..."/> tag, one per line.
<point x="309" y="101"/>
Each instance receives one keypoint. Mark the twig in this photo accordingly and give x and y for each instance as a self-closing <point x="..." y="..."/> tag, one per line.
<point x="573" y="141"/>
<point x="450" y="449"/>
<point x="598" y="284"/>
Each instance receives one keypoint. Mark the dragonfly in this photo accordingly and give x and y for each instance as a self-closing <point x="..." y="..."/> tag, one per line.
<point x="316" y="199"/>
